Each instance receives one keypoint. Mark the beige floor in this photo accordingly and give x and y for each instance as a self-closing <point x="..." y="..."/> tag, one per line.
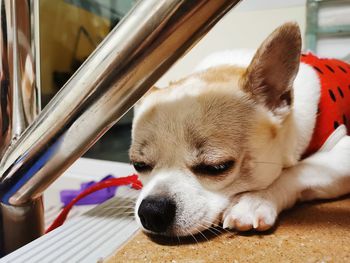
<point x="318" y="232"/>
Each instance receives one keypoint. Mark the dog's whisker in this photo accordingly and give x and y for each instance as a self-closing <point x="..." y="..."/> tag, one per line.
<point x="217" y="226"/>
<point x="200" y="232"/>
<point x="209" y="222"/>
<point x="192" y="236"/>
<point x="125" y="214"/>
<point x="210" y="229"/>
<point x="119" y="207"/>
<point x="124" y="205"/>
<point x="277" y="164"/>
<point x="120" y="211"/>
<point x="220" y="229"/>
<point x="178" y="239"/>
<point x="204" y="226"/>
<point x="223" y="230"/>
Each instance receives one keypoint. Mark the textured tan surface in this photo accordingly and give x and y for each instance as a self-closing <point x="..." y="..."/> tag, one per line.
<point x="318" y="232"/>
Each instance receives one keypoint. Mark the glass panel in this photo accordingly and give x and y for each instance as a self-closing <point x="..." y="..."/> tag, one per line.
<point x="69" y="31"/>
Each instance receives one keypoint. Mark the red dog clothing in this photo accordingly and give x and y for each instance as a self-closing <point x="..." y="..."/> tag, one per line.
<point x="334" y="105"/>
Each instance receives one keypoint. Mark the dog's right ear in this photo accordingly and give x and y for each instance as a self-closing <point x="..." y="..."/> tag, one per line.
<point x="151" y="90"/>
<point x="270" y="75"/>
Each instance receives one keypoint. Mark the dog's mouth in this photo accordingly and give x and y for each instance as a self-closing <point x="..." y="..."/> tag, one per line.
<point x="201" y="230"/>
<point x="198" y="237"/>
<point x="195" y="234"/>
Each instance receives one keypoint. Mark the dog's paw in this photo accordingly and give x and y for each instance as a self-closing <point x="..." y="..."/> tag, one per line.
<point x="252" y="211"/>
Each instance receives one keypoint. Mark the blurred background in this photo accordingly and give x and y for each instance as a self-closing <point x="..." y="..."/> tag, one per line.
<point x="71" y="29"/>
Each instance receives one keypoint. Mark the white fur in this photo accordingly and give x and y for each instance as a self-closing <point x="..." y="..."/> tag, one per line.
<point x="266" y="204"/>
<point x="323" y="175"/>
<point x="306" y="98"/>
<point x="180" y="186"/>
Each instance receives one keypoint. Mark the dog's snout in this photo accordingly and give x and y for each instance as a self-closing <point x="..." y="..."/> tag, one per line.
<point x="157" y="213"/>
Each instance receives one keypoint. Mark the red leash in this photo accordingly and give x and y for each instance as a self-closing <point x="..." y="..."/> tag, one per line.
<point x="129" y="180"/>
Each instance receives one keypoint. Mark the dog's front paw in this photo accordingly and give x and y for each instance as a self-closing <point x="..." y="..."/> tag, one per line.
<point x="252" y="211"/>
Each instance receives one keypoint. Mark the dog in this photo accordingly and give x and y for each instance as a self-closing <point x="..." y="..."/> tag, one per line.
<point x="239" y="140"/>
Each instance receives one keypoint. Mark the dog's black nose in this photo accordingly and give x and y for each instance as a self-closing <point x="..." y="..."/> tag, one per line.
<point x="157" y="213"/>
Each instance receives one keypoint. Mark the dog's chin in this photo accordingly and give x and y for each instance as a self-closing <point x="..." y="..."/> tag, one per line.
<point x="190" y="228"/>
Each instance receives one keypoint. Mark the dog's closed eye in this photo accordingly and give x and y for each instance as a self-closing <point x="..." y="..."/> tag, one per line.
<point x="213" y="169"/>
<point x="142" y="167"/>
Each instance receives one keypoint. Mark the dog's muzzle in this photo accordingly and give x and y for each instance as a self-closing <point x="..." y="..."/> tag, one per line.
<point x="157" y="213"/>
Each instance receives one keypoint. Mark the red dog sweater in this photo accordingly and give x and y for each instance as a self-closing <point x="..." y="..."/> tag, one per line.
<point x="334" y="105"/>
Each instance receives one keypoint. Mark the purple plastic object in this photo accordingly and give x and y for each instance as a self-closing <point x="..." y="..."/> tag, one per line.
<point x="97" y="197"/>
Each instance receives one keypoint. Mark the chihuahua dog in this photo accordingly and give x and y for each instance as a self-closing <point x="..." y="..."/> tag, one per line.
<point x="242" y="138"/>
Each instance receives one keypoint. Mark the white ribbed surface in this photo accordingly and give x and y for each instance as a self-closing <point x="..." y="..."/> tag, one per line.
<point x="52" y="212"/>
<point x="90" y="237"/>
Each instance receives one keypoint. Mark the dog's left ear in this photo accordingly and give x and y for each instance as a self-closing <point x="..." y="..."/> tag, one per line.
<point x="270" y="76"/>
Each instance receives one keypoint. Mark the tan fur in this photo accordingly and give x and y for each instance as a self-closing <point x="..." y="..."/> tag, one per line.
<point x="225" y="113"/>
<point x="225" y="73"/>
<point x="217" y="124"/>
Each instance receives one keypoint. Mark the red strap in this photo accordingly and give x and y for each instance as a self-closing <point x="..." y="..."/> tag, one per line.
<point x="129" y="180"/>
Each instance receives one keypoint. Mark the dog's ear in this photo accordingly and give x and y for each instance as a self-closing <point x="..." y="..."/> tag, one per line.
<point x="270" y="75"/>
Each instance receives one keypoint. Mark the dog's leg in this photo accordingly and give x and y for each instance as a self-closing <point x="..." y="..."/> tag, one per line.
<point x="323" y="175"/>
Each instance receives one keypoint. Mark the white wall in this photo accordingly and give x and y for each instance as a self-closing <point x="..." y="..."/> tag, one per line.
<point x="243" y="27"/>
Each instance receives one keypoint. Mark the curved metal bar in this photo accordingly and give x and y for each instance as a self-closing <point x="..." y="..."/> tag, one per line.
<point x="132" y="57"/>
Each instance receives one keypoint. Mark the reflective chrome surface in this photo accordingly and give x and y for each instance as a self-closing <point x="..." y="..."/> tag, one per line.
<point x="132" y="57"/>
<point x="19" y="92"/>
<point x="19" y="105"/>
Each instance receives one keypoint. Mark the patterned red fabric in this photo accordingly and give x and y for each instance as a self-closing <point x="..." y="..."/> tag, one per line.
<point x="334" y="105"/>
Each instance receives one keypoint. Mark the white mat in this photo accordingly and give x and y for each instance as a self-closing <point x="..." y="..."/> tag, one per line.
<point x="90" y="237"/>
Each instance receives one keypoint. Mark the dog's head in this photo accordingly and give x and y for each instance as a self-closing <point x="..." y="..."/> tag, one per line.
<point x="212" y="135"/>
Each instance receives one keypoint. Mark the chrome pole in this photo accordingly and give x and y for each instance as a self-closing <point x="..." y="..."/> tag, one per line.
<point x="153" y="35"/>
<point x="19" y="92"/>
